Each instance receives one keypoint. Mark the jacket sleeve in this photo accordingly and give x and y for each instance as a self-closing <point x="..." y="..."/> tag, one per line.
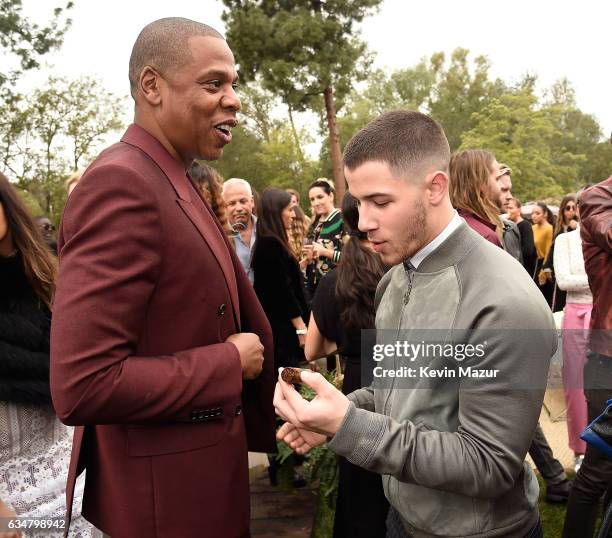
<point x="497" y="418"/>
<point x="596" y="215"/>
<point x="110" y="263"/>
<point x="565" y="279"/>
<point x="528" y="248"/>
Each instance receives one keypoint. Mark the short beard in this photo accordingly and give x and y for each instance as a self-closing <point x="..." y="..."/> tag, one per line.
<point x="416" y="233"/>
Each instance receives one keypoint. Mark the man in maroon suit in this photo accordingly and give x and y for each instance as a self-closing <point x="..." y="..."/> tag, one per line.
<point x="157" y="334"/>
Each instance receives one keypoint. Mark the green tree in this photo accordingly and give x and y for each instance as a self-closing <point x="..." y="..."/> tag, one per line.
<point x="598" y="165"/>
<point x="460" y="90"/>
<point x="54" y="131"/>
<point x="303" y="50"/>
<point x="27" y="40"/>
<point x="520" y="135"/>
<point x="577" y="134"/>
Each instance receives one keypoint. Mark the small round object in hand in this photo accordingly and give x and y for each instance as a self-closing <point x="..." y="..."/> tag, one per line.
<point x="291" y="375"/>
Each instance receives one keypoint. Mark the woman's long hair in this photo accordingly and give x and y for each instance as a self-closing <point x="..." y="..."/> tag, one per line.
<point x="210" y="184"/>
<point x="561" y="220"/>
<point x="297" y="233"/>
<point x="40" y="266"/>
<point x="271" y="204"/>
<point x="469" y="178"/>
<point x="359" y="271"/>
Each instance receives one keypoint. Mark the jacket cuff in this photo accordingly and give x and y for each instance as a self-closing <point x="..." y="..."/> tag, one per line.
<point x="359" y="435"/>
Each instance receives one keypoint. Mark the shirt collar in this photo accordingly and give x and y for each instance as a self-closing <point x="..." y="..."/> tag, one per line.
<point x="416" y="260"/>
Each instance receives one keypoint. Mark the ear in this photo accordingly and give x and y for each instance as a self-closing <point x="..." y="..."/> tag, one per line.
<point x="437" y="184"/>
<point x="149" y="85"/>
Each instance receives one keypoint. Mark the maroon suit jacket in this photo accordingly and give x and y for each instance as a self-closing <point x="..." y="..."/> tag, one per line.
<point x="148" y="291"/>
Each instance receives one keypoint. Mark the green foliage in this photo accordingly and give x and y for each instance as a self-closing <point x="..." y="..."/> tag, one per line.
<point x="301" y="50"/>
<point x="266" y="151"/>
<point x="521" y="136"/>
<point x="30" y="202"/>
<point x="52" y="132"/>
<point x="300" y="47"/>
<point x="26" y="40"/>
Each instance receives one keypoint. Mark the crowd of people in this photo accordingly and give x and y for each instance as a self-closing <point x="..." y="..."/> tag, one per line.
<point x="179" y="295"/>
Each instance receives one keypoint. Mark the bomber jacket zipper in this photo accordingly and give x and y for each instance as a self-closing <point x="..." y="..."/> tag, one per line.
<point x="406" y="298"/>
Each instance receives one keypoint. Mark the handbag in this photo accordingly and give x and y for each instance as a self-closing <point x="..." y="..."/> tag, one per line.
<point x="599" y="432"/>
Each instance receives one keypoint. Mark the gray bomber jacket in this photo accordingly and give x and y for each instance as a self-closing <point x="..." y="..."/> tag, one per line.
<point x="452" y="451"/>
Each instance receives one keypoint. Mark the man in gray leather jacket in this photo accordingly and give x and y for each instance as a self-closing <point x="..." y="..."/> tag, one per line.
<point x="451" y="447"/>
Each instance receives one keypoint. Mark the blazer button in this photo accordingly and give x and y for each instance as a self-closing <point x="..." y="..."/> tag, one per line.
<point x="221" y="310"/>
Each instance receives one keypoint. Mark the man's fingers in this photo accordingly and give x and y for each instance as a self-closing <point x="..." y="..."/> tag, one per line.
<point x="284" y="407"/>
<point x="315" y="381"/>
<point x="280" y="403"/>
<point x="285" y="429"/>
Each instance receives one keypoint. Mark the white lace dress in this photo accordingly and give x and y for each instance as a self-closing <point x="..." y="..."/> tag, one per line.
<point x="34" y="455"/>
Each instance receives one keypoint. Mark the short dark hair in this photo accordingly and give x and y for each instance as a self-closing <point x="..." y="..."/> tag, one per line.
<point x="324" y="184"/>
<point x="162" y="44"/>
<point x="406" y="140"/>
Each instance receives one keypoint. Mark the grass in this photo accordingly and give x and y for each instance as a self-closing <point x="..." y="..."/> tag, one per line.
<point x="553" y="515"/>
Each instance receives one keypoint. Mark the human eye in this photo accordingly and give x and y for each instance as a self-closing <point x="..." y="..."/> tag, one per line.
<point x="212" y="84"/>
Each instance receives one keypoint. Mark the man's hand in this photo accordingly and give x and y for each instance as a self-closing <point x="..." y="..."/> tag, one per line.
<point x="301" y="441"/>
<point x="323" y="414"/>
<point x="250" y="350"/>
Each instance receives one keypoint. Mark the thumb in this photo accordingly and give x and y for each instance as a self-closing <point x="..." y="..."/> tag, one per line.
<point x="315" y="381"/>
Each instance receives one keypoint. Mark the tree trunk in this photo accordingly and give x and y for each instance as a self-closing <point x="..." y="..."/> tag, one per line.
<point x="296" y="138"/>
<point x="334" y="143"/>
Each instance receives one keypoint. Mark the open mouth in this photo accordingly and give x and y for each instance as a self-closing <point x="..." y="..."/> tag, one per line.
<point x="225" y="130"/>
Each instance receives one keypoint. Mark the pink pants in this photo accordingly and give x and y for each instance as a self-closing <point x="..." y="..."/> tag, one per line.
<point x="576" y="322"/>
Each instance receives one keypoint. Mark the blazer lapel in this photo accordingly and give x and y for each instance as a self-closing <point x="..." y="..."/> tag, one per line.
<point x="201" y="216"/>
<point x="205" y="224"/>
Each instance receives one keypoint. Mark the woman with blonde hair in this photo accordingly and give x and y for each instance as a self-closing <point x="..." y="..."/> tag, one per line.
<point x="35" y="446"/>
<point x="474" y="184"/>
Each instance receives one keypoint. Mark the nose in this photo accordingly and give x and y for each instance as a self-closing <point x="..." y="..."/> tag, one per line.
<point x="366" y="222"/>
<point x="231" y="100"/>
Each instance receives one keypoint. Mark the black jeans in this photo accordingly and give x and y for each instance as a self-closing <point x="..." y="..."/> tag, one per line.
<point x="550" y="468"/>
<point x="594" y="478"/>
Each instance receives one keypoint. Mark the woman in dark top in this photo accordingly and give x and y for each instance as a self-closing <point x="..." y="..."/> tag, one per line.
<point x="527" y="244"/>
<point x="35" y="446"/>
<point x="343" y="305"/>
<point x="278" y="279"/>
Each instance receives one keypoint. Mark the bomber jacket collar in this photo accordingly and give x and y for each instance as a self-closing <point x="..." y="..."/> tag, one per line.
<point x="454" y="248"/>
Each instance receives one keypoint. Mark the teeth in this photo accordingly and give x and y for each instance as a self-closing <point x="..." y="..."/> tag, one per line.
<point x="224" y="127"/>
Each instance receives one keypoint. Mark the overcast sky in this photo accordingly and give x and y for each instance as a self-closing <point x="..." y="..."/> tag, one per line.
<point x="552" y="39"/>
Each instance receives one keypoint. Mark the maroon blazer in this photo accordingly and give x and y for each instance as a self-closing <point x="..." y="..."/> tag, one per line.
<point x="149" y="289"/>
